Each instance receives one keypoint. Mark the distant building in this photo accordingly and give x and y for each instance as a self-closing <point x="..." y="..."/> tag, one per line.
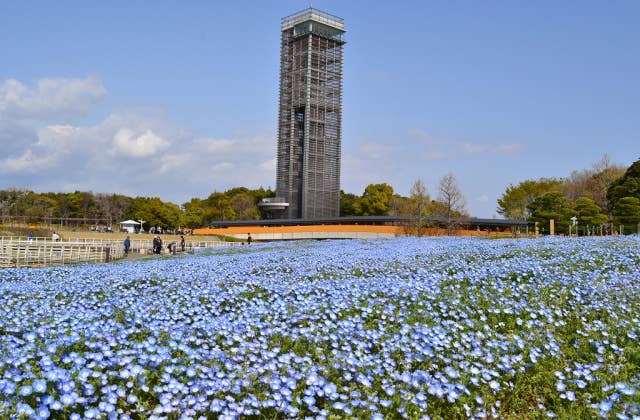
<point x="310" y="115"/>
<point x="130" y="226"/>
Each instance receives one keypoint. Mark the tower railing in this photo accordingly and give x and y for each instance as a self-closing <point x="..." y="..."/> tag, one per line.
<point x="314" y="14"/>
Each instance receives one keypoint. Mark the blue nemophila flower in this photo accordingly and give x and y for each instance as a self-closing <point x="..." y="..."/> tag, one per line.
<point x="624" y="388"/>
<point x="7" y="387"/>
<point x="358" y="323"/>
<point x="451" y="372"/>
<point x="25" y="390"/>
<point x="40" y="386"/>
<point x="43" y="412"/>
<point x="494" y="385"/>
<point x="24" y="409"/>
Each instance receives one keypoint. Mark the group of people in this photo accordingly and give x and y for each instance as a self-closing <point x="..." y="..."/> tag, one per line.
<point x="103" y="229"/>
<point x="172" y="246"/>
<point x="157" y="245"/>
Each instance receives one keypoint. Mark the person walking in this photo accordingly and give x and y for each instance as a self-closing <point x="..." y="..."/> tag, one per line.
<point x="127" y="245"/>
<point x="157" y="245"/>
<point x="249" y="239"/>
<point x="182" y="243"/>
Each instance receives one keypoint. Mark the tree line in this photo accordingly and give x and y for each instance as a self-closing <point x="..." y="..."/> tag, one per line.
<point x="81" y="208"/>
<point x="603" y="196"/>
<point x="240" y="203"/>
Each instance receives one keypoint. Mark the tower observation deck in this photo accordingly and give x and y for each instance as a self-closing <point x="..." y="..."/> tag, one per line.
<point x="310" y="114"/>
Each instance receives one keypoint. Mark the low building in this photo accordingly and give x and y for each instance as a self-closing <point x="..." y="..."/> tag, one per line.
<point x="130" y="226"/>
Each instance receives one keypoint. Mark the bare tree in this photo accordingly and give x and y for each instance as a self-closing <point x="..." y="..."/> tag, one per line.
<point x="419" y="198"/>
<point x="593" y="182"/>
<point x="452" y="199"/>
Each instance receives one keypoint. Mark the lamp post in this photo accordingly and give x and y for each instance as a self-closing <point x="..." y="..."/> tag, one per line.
<point x="574" y="222"/>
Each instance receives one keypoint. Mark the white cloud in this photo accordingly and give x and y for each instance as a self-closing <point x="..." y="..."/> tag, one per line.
<point x="436" y="155"/>
<point x="511" y="148"/>
<point x="482" y="199"/>
<point x="216" y="145"/>
<point x="50" y="98"/>
<point x="127" y="143"/>
<point x="269" y="165"/>
<point x="495" y="149"/>
<point x="173" y="163"/>
<point x="374" y="150"/>
<point x="223" y="166"/>
<point x="132" y="151"/>
<point x="27" y="162"/>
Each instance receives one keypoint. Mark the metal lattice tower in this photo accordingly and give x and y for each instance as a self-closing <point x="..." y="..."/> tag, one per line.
<point x="310" y="114"/>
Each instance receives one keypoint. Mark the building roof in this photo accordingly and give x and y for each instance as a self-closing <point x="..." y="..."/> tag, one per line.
<point x="470" y="222"/>
<point x="315" y="15"/>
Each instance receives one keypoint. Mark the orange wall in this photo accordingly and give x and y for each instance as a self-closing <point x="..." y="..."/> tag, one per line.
<point x="398" y="230"/>
<point x="243" y="230"/>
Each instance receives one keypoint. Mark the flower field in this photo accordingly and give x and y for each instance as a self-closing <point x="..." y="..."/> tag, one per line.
<point x="400" y="328"/>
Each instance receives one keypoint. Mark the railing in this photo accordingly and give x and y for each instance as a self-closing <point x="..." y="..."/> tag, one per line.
<point x="37" y="252"/>
<point x="19" y="251"/>
<point x="145" y="246"/>
<point x="315" y="14"/>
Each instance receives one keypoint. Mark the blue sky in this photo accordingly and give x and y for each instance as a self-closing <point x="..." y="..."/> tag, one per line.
<point x="179" y="99"/>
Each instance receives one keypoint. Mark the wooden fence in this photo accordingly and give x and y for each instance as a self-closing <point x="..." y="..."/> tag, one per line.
<point x="38" y="252"/>
<point x="145" y="246"/>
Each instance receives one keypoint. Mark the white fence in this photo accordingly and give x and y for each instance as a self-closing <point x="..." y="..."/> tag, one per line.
<point x="145" y="246"/>
<point x="36" y="252"/>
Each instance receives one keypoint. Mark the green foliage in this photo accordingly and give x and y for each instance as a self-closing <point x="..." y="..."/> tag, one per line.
<point x="592" y="182"/>
<point x="347" y="200"/>
<point x="589" y="213"/>
<point x="627" y="211"/>
<point x="193" y="213"/>
<point x="88" y="208"/>
<point x="155" y="212"/>
<point x="218" y="207"/>
<point x="375" y="200"/>
<point x="245" y="206"/>
<point x="552" y="205"/>
<point x="628" y="185"/>
<point x="514" y="201"/>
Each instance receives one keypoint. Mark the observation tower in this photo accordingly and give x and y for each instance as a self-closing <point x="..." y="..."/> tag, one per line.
<point x="310" y="115"/>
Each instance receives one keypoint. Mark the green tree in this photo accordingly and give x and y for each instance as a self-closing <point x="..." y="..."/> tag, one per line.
<point x="82" y="205"/>
<point x="589" y="214"/>
<point x="217" y="207"/>
<point x="40" y="206"/>
<point x="245" y="206"/>
<point x="155" y="213"/>
<point x="347" y="200"/>
<point x="627" y="212"/>
<point x="375" y="200"/>
<point x="193" y="213"/>
<point x="10" y="200"/>
<point x="514" y="201"/>
<point x="552" y="205"/>
<point x="628" y="185"/>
